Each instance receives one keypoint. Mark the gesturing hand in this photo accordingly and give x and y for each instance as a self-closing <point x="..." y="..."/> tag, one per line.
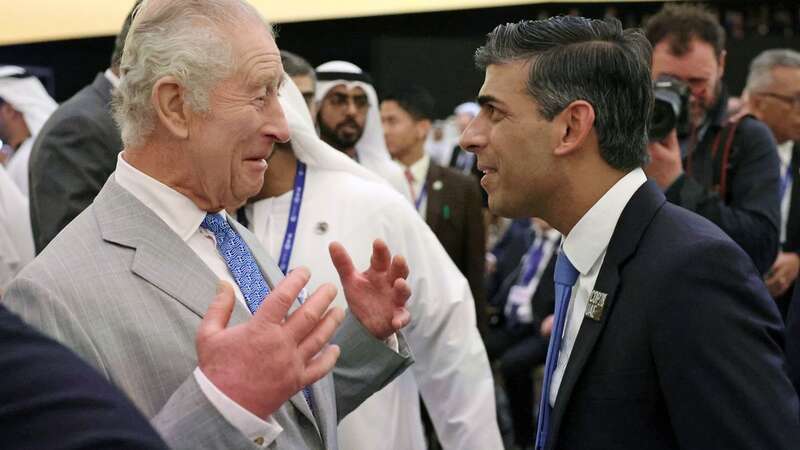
<point x="377" y="296"/>
<point x="262" y="363"/>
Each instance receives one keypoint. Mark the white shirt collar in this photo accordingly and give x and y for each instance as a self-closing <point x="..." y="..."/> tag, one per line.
<point x="174" y="208"/>
<point x="785" y="153"/>
<point x="113" y="79"/>
<point x="589" y="238"/>
<point x="420" y="168"/>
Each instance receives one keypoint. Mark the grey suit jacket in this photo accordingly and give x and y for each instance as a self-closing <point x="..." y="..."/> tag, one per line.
<point x="120" y="288"/>
<point x="71" y="159"/>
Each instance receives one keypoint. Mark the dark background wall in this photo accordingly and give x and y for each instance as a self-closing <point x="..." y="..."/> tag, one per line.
<point x="432" y="49"/>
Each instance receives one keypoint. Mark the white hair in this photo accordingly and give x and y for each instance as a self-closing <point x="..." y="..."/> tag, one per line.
<point x="760" y="74"/>
<point x="186" y="39"/>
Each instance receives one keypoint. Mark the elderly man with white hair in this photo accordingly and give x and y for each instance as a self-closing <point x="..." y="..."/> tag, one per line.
<point x="129" y="283"/>
<point x="25" y="105"/>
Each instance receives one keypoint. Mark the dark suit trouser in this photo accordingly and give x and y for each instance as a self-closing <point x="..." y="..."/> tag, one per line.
<point x="516" y="355"/>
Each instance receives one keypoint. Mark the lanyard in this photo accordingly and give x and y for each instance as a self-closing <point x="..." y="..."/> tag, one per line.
<point x="422" y="194"/>
<point x="294" y="216"/>
<point x="786" y="179"/>
<point x="532" y="260"/>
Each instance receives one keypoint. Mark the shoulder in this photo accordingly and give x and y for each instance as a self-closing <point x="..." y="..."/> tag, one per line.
<point x="346" y="188"/>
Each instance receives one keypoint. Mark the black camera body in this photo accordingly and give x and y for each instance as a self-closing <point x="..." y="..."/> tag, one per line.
<point x="671" y="108"/>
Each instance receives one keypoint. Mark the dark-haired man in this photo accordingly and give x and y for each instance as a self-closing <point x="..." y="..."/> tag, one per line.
<point x="449" y="201"/>
<point x="655" y="345"/>
<point x="75" y="152"/>
<point x="725" y="170"/>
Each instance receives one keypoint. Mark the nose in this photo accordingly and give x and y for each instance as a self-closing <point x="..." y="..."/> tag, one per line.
<point x="277" y="128"/>
<point x="475" y="136"/>
<point x="352" y="109"/>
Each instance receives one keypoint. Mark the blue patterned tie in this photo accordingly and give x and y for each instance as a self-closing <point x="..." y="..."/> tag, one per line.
<point x="565" y="277"/>
<point x="244" y="269"/>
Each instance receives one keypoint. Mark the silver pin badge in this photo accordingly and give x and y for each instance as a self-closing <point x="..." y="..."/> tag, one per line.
<point x="596" y="304"/>
<point x="321" y="228"/>
<point x="437" y="185"/>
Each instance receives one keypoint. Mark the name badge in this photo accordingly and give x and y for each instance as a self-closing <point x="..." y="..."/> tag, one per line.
<point x="520" y="296"/>
<point x="596" y="304"/>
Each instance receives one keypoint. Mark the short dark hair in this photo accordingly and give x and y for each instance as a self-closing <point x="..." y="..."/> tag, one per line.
<point x="681" y="23"/>
<point x="295" y="65"/>
<point x="415" y="100"/>
<point x="119" y="42"/>
<point x="574" y="58"/>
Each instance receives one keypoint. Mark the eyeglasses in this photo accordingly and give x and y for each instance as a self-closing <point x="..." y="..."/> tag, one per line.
<point x="791" y="100"/>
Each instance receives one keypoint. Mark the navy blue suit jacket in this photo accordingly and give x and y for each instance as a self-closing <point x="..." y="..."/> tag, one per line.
<point x="50" y="399"/>
<point x="688" y="351"/>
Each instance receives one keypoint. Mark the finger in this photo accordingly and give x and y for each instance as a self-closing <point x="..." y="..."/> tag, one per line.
<point x="341" y="260"/>
<point x="218" y="313"/>
<point x="320" y="365"/>
<point x="399" y="268"/>
<point x="381" y="256"/>
<point x="401" y="318"/>
<point x="401" y="292"/>
<point x="278" y="302"/>
<point x="321" y="334"/>
<point x="305" y="318"/>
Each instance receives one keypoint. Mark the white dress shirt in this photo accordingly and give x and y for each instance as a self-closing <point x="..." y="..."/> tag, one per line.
<point x="586" y="246"/>
<point x="451" y="369"/>
<point x="419" y="170"/>
<point x="184" y="218"/>
<point x="785" y="156"/>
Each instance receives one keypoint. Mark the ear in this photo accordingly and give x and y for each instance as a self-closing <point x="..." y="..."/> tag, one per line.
<point x="422" y="127"/>
<point x="721" y="63"/>
<point x="577" y="122"/>
<point x="169" y="101"/>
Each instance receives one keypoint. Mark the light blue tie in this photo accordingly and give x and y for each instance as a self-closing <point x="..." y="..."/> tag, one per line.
<point x="244" y="269"/>
<point x="565" y="277"/>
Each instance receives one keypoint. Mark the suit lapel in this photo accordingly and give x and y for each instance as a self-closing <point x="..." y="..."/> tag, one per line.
<point x="632" y="224"/>
<point x="433" y="212"/>
<point x="161" y="257"/>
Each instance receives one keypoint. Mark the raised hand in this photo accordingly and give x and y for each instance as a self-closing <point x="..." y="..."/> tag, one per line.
<point x="262" y="363"/>
<point x="377" y="296"/>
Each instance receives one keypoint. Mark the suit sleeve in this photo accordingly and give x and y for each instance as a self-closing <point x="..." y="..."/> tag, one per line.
<point x="187" y="421"/>
<point x="716" y="339"/>
<point x="752" y="216"/>
<point x="69" y="164"/>
<point x="365" y="364"/>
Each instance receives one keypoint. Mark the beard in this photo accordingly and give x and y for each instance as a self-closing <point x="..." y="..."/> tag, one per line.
<point x="343" y="136"/>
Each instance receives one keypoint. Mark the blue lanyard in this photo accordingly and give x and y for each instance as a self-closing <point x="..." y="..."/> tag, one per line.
<point x="785" y="180"/>
<point x="294" y="216"/>
<point x="422" y="194"/>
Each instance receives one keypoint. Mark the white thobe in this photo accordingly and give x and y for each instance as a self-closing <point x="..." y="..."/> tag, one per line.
<point x="16" y="236"/>
<point x="451" y="370"/>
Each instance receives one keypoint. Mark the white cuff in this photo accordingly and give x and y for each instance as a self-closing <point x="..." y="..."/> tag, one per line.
<point x="261" y="432"/>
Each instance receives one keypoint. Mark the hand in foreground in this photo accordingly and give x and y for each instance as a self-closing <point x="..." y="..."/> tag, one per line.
<point x="260" y="364"/>
<point x="665" y="161"/>
<point x="377" y="296"/>
<point x="783" y="273"/>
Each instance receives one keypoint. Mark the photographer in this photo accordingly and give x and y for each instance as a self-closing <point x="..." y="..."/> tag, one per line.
<point x="723" y="168"/>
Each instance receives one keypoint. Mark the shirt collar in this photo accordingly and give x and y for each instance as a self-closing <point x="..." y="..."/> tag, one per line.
<point x="113" y="79"/>
<point x="589" y="238"/>
<point x="174" y="208"/>
<point x="420" y="168"/>
<point x="785" y="153"/>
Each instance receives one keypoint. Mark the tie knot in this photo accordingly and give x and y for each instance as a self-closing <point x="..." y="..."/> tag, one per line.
<point x="565" y="272"/>
<point x="215" y="223"/>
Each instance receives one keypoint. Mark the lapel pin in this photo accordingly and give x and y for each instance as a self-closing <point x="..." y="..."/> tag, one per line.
<point x="596" y="304"/>
<point x="437" y="185"/>
<point x="321" y="228"/>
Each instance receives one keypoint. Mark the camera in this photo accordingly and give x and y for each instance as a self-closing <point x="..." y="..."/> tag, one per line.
<point x="671" y="108"/>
